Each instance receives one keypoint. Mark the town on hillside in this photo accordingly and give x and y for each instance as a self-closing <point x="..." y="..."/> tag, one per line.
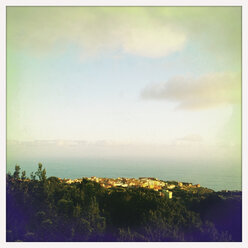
<point x="164" y="188"/>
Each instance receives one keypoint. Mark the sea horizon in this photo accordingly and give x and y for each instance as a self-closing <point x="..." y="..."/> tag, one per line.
<point x="210" y="176"/>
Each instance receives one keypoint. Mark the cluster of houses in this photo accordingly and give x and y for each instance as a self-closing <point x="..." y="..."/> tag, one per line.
<point x="145" y="182"/>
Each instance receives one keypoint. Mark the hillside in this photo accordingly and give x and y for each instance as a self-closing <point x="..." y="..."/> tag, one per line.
<point x="51" y="209"/>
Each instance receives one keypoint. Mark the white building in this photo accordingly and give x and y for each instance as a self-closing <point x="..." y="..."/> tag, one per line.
<point x="168" y="194"/>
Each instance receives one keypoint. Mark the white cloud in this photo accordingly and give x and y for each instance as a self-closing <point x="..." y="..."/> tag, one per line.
<point x="154" y="41"/>
<point x="93" y="30"/>
<point x="207" y="91"/>
<point x="155" y="32"/>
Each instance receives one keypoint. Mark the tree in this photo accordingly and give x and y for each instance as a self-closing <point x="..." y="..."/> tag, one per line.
<point x="23" y="175"/>
<point x="65" y="207"/>
<point x="41" y="174"/>
<point x="16" y="174"/>
<point x="33" y="176"/>
<point x="51" y="210"/>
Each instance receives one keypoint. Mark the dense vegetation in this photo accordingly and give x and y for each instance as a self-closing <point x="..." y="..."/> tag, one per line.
<point x="45" y="209"/>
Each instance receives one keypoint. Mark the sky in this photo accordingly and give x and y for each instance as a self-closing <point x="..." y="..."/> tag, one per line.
<point x="147" y="82"/>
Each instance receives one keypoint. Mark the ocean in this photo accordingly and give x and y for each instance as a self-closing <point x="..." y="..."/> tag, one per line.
<point x="213" y="176"/>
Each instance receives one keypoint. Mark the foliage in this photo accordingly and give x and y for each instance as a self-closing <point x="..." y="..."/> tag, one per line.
<point x="48" y="209"/>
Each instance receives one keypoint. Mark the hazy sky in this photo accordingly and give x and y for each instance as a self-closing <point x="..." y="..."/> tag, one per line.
<point x="124" y="81"/>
